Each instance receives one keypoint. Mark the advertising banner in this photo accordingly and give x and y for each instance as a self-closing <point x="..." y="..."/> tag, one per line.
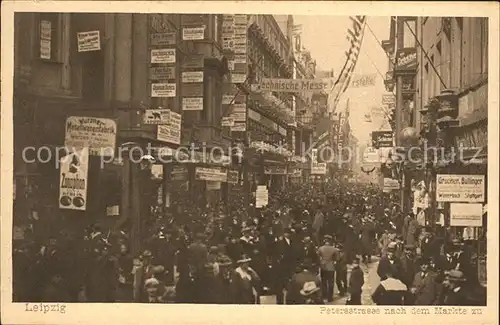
<point x="361" y="81"/>
<point x="163" y="56"/>
<point x="73" y="180"/>
<point x="192" y="104"/>
<point x="466" y="214"/>
<point x="171" y="133"/>
<point x="99" y="134"/>
<point x="89" y="41"/>
<point x="163" y="89"/>
<point x="210" y="174"/>
<point x="460" y="188"/>
<point x="192" y="76"/>
<point x="294" y="85"/>
<point x="156" y="116"/>
<point x="193" y="34"/>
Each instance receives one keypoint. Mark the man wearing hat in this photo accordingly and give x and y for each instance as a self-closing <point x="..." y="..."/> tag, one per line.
<point x="389" y="263"/>
<point x="391" y="292"/>
<point x="198" y="258"/>
<point x="455" y="294"/>
<point x="245" y="283"/>
<point x="310" y="293"/>
<point x="246" y="241"/>
<point x="294" y="296"/>
<point x="425" y="287"/>
<point x="286" y="263"/>
<point x="408" y="265"/>
<point x="328" y="256"/>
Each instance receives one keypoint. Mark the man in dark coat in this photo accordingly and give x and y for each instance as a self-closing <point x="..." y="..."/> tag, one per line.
<point x="341" y="270"/>
<point x="356" y="283"/>
<point x="408" y="265"/>
<point x="286" y="263"/>
<point x="456" y="294"/>
<point x="328" y="256"/>
<point x="307" y="252"/>
<point x="297" y="282"/>
<point x="389" y="264"/>
<point x="198" y="258"/>
<point x="425" y="287"/>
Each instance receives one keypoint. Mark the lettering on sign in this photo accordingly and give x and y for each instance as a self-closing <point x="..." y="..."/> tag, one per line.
<point x="406" y="59"/>
<point x="293" y="85"/>
<point x="161" y="39"/>
<point x="192" y="90"/>
<point x="163" y="56"/>
<point x="193" y="34"/>
<point x="192" y="104"/>
<point x="156" y="116"/>
<point x="162" y="73"/>
<point x="364" y="81"/>
<point x="460" y="188"/>
<point x="193" y="61"/>
<point x="192" y="76"/>
<point x="89" y="41"/>
<point x="163" y="90"/>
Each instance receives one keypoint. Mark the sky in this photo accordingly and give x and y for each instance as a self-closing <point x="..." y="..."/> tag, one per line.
<point x="325" y="38"/>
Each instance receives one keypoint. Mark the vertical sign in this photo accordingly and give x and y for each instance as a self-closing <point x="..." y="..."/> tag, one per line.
<point x="73" y="180"/>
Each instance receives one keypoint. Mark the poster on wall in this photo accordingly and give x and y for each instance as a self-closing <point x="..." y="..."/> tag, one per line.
<point x="89" y="41"/>
<point x="74" y="180"/>
<point x="99" y="134"/>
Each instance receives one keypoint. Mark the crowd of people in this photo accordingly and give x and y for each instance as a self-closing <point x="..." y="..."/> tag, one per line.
<point x="308" y="240"/>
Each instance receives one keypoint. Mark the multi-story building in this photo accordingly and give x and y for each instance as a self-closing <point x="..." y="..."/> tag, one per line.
<point x="113" y="67"/>
<point x="442" y="63"/>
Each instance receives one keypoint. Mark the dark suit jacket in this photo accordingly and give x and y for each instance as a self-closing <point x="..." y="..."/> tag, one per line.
<point x="459" y="298"/>
<point x="356" y="281"/>
<point x="408" y="270"/>
<point x="385" y="265"/>
<point x="426" y="289"/>
<point x="198" y="256"/>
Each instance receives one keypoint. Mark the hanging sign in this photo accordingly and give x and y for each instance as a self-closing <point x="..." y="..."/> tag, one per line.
<point x="406" y="61"/>
<point x="192" y="103"/>
<point x="163" y="89"/>
<point x="193" y="61"/>
<point x="388" y="99"/>
<point x="275" y="170"/>
<point x="73" y="180"/>
<point x="171" y="133"/>
<point x="98" y="133"/>
<point x="382" y="139"/>
<point x="318" y="169"/>
<point x="156" y="116"/>
<point x="390" y="184"/>
<point x="178" y="173"/>
<point x="89" y="41"/>
<point x="261" y="196"/>
<point x="192" y="90"/>
<point x="192" y="76"/>
<point x="163" y="56"/>
<point x="238" y="78"/>
<point x="210" y="174"/>
<point x="162" y="39"/>
<point x="460" y="188"/>
<point x="193" y="34"/>
<point x="45" y="39"/>
<point x="466" y="214"/>
<point x="233" y="176"/>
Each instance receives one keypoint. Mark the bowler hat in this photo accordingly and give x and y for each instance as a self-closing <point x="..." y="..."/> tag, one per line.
<point x="244" y="259"/>
<point x="309" y="288"/>
<point x="456" y="275"/>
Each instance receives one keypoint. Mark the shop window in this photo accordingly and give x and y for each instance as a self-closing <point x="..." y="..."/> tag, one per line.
<point x="49" y="27"/>
<point x="409" y="28"/>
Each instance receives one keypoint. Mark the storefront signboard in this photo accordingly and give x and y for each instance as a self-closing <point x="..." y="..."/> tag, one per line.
<point x="156" y="116"/>
<point x="275" y="170"/>
<point x="211" y="186"/>
<point x="318" y="169"/>
<point x="162" y="39"/>
<point x="171" y="133"/>
<point x="192" y="104"/>
<point x="163" y="89"/>
<point x="294" y="85"/>
<point x="163" y="56"/>
<point x="233" y="176"/>
<point x="466" y="214"/>
<point x="193" y="34"/>
<point x="460" y="188"/>
<point x="192" y="76"/>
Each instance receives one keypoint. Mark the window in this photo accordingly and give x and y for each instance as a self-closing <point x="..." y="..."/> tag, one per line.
<point x="409" y="28"/>
<point x="217" y="29"/>
<point x="49" y="37"/>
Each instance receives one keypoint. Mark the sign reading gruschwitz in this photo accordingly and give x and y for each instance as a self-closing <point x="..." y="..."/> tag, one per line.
<point x="293" y="85"/>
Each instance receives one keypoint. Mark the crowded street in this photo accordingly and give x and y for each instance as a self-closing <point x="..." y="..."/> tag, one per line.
<point x="246" y="159"/>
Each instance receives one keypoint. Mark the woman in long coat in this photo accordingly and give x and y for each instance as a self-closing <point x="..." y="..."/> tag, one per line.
<point x="245" y="283"/>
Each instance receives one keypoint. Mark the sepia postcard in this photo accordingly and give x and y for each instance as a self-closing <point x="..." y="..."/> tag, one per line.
<point x="180" y="161"/>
